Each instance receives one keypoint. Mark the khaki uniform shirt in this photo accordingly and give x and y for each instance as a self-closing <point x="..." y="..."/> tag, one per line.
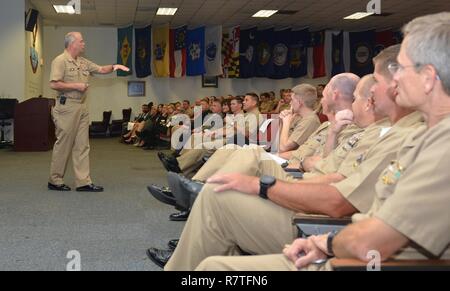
<point x="69" y="70"/>
<point x="351" y="148"/>
<point x="412" y="194"/>
<point x="266" y="106"/>
<point x="301" y="128"/>
<point x="253" y="120"/>
<point x="189" y="112"/>
<point x="314" y="146"/>
<point x="358" y="188"/>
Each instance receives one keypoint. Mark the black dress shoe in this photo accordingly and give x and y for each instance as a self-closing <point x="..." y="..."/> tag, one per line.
<point x="173" y="244"/>
<point x="169" y="163"/>
<point x="90" y="188"/>
<point x="179" y="216"/>
<point x="159" y="257"/>
<point x="162" y="194"/>
<point x="184" y="189"/>
<point x="62" y="187"/>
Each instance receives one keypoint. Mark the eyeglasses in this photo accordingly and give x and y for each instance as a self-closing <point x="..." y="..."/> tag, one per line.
<point x="396" y="67"/>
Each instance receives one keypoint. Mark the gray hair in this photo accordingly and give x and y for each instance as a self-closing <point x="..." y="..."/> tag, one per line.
<point x="364" y="86"/>
<point x="69" y="39"/>
<point x="345" y="83"/>
<point x="428" y="43"/>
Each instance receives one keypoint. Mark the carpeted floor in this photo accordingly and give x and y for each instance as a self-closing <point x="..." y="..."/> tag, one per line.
<point x="110" y="230"/>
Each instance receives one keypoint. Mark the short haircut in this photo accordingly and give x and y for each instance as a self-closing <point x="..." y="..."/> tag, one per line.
<point x="187" y="101"/>
<point x="345" y="84"/>
<point x="254" y="96"/>
<point x="364" y="86"/>
<point x="385" y="58"/>
<point x="427" y="41"/>
<point x="267" y="95"/>
<point x="307" y="93"/>
<point x="69" y="39"/>
<point x="238" y="99"/>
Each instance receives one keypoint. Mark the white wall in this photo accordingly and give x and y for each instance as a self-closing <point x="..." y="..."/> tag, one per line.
<point x="33" y="80"/>
<point x="110" y="92"/>
<point x="12" y="49"/>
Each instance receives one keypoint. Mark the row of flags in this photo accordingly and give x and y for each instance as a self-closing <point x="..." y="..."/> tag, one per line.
<point x="249" y="53"/>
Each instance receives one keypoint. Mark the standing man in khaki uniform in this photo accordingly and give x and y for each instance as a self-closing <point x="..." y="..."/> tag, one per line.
<point x="70" y="78"/>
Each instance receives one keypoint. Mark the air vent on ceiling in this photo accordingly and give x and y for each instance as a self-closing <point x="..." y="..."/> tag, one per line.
<point x="287" y="12"/>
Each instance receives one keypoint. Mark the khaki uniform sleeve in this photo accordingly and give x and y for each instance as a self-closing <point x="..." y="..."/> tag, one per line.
<point x="303" y="130"/>
<point x="92" y="67"/>
<point x="252" y="123"/>
<point x="420" y="205"/>
<point x="57" y="71"/>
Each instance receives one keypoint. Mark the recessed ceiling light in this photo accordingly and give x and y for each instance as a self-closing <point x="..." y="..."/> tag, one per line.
<point x="166" y="11"/>
<point x="359" y="15"/>
<point x="265" y="13"/>
<point x="67" y="9"/>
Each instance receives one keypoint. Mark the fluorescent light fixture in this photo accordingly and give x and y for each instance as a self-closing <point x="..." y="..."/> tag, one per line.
<point x="68" y="9"/>
<point x="166" y="11"/>
<point x="265" y="13"/>
<point x="359" y="15"/>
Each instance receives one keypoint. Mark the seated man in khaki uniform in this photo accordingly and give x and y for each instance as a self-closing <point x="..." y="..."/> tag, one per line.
<point x="266" y="105"/>
<point x="300" y="121"/>
<point x="69" y="77"/>
<point x="409" y="216"/>
<point x="338" y="100"/>
<point x="200" y="145"/>
<point x="352" y="194"/>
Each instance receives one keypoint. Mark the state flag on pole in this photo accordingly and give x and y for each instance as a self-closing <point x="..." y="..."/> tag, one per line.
<point x="362" y="51"/>
<point x="143" y="52"/>
<point x="160" y="48"/>
<point x="125" y="50"/>
<point x="247" y="50"/>
<point x="178" y="54"/>
<point x="298" y="52"/>
<point x="196" y="52"/>
<point x="213" y="51"/>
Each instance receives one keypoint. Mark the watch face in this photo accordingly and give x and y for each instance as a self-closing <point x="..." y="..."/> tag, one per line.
<point x="268" y="180"/>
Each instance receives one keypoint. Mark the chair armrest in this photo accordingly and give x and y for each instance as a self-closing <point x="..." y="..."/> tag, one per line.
<point x="117" y="121"/>
<point x="97" y="123"/>
<point x="392" y="265"/>
<point x="318" y="224"/>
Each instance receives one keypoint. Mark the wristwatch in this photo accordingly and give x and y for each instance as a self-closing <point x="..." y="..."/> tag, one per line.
<point x="265" y="182"/>
<point x="330" y="238"/>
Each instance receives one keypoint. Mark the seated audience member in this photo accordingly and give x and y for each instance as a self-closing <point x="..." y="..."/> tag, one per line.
<point x="190" y="157"/>
<point x="266" y="105"/>
<point x="285" y="101"/>
<point x="407" y="219"/>
<point x="138" y="124"/>
<point x="186" y="109"/>
<point x="226" y="107"/>
<point x="299" y="122"/>
<point x="343" y="195"/>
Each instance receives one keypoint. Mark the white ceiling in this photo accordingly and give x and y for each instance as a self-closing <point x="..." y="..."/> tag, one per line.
<point x="316" y="14"/>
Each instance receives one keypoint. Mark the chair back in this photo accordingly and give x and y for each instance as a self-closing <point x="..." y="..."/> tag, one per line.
<point x="126" y="114"/>
<point x="106" y="117"/>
